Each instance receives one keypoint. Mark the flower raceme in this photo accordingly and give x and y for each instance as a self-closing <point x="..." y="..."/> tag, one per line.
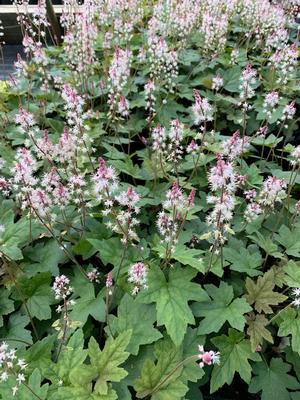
<point x="118" y="75"/>
<point x="168" y="143"/>
<point x="221" y="175"/>
<point x="121" y="206"/>
<point x="217" y="83"/>
<point x="163" y="62"/>
<point x="61" y="287"/>
<point x="235" y="146"/>
<point x="171" y="219"/>
<point x="94" y="275"/>
<point x="105" y="182"/>
<point x="109" y="283"/>
<point x="25" y="119"/>
<point x="272" y="192"/>
<point x="202" y="110"/>
<point x="270" y="103"/>
<point x="223" y="181"/>
<point x="138" y="275"/>
<point x="247" y="83"/>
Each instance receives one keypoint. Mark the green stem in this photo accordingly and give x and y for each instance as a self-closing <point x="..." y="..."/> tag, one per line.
<point x="168" y="376"/>
<point x="277" y="315"/>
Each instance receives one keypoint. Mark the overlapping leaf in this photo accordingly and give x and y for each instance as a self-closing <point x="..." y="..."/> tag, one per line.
<point x="257" y="330"/>
<point x="171" y="297"/>
<point x="155" y="380"/>
<point x="273" y="381"/>
<point x="235" y="355"/>
<point x="137" y="317"/>
<point x="220" y="308"/>
<point x="261" y="293"/>
<point x="290" y="325"/>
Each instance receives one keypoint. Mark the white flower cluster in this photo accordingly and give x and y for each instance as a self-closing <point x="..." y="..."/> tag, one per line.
<point x="10" y="365"/>
<point x="138" y="275"/>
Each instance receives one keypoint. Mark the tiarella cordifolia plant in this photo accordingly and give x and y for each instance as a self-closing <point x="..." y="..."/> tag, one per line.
<point x="149" y="211"/>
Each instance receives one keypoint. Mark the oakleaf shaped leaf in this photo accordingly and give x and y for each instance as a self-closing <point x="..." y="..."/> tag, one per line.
<point x="291" y="326"/>
<point x="235" y="352"/>
<point x="171" y="297"/>
<point x="242" y="259"/>
<point x="137" y="317"/>
<point x="40" y="353"/>
<point x="71" y="356"/>
<point x="266" y="243"/>
<point x="220" y="308"/>
<point x="274" y="381"/>
<point x="190" y="257"/>
<point x="261" y="293"/>
<point x="107" y="361"/>
<point x="257" y="330"/>
<point x="155" y="379"/>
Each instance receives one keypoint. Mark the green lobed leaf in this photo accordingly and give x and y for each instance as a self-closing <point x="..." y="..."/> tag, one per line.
<point x="72" y="356"/>
<point x="46" y="257"/>
<point x="221" y="308"/>
<point x="235" y="355"/>
<point x="34" y="383"/>
<point x="171" y="297"/>
<point x="257" y="330"/>
<point x="82" y="393"/>
<point x="16" y="234"/>
<point x="292" y="274"/>
<point x="190" y="257"/>
<point x="273" y="381"/>
<point x="261" y="293"/>
<point x="242" y="259"/>
<point x="137" y="317"/>
<point x="290" y="325"/>
<point x="289" y="240"/>
<point x="106" y="362"/>
<point x="37" y="293"/>
<point x="14" y="331"/>
<point x="155" y="381"/>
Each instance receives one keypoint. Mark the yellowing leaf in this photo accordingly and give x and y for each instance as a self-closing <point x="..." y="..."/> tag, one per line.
<point x="257" y="330"/>
<point x="261" y="293"/>
<point x="106" y="362"/>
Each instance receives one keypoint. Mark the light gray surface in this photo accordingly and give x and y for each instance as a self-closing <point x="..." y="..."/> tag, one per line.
<point x="9" y="57"/>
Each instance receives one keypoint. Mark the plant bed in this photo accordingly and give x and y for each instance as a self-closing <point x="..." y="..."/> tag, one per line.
<point x="149" y="215"/>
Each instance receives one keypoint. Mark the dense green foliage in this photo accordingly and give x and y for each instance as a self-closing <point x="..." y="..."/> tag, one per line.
<point x="228" y="284"/>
